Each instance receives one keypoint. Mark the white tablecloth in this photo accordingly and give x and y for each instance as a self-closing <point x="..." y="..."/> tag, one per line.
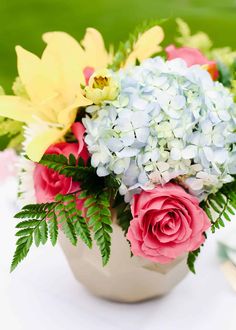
<point x="43" y="295"/>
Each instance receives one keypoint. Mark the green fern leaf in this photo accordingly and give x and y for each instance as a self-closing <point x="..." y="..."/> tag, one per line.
<point x="192" y="256"/>
<point x="27" y="224"/>
<point x="21" y="252"/>
<point x="37" y="236"/>
<point x="43" y="232"/>
<point x="80" y="224"/>
<point x="82" y="231"/>
<point x="53" y="228"/>
<point x="35" y="228"/>
<point x="99" y="216"/>
<point x="69" y="231"/>
<point x="221" y="205"/>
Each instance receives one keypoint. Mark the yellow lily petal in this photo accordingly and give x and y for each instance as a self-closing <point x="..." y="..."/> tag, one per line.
<point x="16" y="108"/>
<point x="69" y="113"/>
<point x="147" y="45"/>
<point x="35" y="79"/>
<point x="96" y="53"/>
<point x="39" y="144"/>
<point x="64" y="60"/>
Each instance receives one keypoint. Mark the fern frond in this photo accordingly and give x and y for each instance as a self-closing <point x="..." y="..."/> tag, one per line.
<point x="221" y="205"/>
<point x="218" y="207"/>
<point x="99" y="215"/>
<point x="22" y="251"/>
<point x="192" y="256"/>
<point x="79" y="172"/>
<point x="69" y="167"/>
<point x="33" y="229"/>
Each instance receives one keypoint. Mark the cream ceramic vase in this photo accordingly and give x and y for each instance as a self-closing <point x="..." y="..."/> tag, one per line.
<point x="125" y="278"/>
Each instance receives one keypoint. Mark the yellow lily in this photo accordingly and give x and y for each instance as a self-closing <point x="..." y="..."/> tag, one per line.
<point x="53" y="84"/>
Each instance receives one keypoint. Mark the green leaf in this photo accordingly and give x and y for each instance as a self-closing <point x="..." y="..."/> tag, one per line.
<point x="124" y="215"/>
<point x="22" y="240"/>
<point x="89" y="201"/>
<point x="67" y="167"/>
<point x="11" y="134"/>
<point x="27" y="224"/>
<point x="38" y="219"/>
<point x="69" y="231"/>
<point x="43" y="231"/>
<point x="76" y="224"/>
<point x="93" y="219"/>
<point x="72" y="160"/>
<point x="83" y="232"/>
<point x="30" y="214"/>
<point x="35" y="228"/>
<point x="223" y="203"/>
<point x="92" y="210"/>
<point x="24" y="232"/>
<point x="53" y="228"/>
<point x="192" y="256"/>
<point x="99" y="216"/>
<point x="21" y="252"/>
<point x="225" y="75"/>
<point x="37" y="236"/>
<point x="5" y="139"/>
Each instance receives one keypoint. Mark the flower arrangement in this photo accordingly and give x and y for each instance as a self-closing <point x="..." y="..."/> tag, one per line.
<point x="148" y="131"/>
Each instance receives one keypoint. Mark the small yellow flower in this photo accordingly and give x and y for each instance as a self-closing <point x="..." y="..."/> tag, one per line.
<point x="102" y="86"/>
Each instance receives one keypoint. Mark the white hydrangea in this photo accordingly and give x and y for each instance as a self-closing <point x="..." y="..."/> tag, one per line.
<point x="169" y="121"/>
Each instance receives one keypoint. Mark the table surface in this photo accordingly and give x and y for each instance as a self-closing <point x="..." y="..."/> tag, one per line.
<point x="42" y="293"/>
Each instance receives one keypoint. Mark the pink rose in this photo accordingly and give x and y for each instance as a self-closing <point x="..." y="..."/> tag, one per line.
<point x="192" y="56"/>
<point x="49" y="183"/>
<point x="167" y="222"/>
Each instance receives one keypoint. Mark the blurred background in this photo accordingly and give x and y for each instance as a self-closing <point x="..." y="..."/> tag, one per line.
<point x="24" y="21"/>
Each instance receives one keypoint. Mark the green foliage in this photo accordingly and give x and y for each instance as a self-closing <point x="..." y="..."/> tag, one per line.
<point x="97" y="202"/>
<point x="199" y="40"/>
<point x="11" y="134"/>
<point x="32" y="228"/>
<point x="99" y="215"/>
<point x="125" y="48"/>
<point x="192" y="256"/>
<point x="124" y="215"/>
<point x="70" y="167"/>
<point x="43" y="220"/>
<point x="225" y="74"/>
<point x="39" y="220"/>
<point x="219" y="207"/>
<point x="76" y="169"/>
